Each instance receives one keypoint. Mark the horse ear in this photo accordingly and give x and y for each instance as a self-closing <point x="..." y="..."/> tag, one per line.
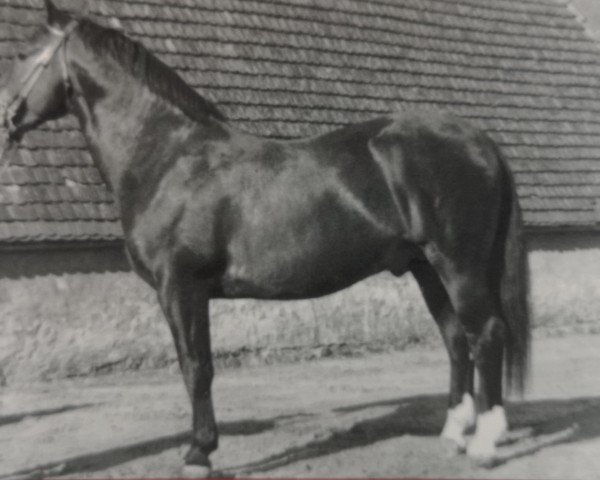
<point x="82" y="9"/>
<point x="56" y="17"/>
<point x="52" y="13"/>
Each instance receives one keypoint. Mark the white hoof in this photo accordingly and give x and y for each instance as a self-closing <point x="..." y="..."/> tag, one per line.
<point x="195" y="471"/>
<point x="491" y="428"/>
<point x="459" y="420"/>
<point x="480" y="450"/>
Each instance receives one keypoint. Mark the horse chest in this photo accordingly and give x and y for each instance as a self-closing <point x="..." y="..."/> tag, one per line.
<point x="161" y="236"/>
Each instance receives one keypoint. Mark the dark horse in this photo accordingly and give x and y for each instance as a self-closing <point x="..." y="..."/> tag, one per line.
<point x="209" y="211"/>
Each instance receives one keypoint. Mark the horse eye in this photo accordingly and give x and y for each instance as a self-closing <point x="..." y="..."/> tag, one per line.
<point x="21" y="56"/>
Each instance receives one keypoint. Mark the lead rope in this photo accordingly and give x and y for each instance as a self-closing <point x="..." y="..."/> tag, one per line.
<point x="3" y="133"/>
<point x="4" y="143"/>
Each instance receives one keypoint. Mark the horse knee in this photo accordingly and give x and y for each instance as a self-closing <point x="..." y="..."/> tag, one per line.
<point x="201" y="374"/>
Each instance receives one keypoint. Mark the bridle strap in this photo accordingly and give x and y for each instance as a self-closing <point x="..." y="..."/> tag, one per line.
<point x="33" y="76"/>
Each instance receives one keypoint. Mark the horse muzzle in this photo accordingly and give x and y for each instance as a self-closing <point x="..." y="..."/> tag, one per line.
<point x="9" y="108"/>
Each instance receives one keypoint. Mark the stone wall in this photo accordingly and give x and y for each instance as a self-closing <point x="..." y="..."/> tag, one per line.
<point x="79" y="312"/>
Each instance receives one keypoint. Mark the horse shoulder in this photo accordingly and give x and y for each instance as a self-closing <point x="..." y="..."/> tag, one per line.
<point x="181" y="211"/>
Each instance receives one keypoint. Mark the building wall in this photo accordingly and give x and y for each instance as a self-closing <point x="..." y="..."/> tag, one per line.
<point x="565" y="282"/>
<point x="77" y="312"/>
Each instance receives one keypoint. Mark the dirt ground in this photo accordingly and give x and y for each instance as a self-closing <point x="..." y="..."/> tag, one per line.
<point x="377" y="416"/>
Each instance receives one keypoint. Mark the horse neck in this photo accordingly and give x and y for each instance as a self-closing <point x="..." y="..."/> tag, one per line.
<point x="121" y="118"/>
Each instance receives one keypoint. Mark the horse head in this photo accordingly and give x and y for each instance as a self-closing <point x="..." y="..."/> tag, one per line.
<point x="37" y="85"/>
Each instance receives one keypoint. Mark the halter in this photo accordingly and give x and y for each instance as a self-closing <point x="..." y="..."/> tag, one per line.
<point x="38" y="68"/>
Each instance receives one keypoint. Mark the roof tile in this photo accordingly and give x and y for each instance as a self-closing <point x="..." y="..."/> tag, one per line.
<point x="523" y="70"/>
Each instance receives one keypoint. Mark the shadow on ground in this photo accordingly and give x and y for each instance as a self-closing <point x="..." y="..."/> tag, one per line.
<point x="424" y="416"/>
<point x="418" y="416"/>
<point x="115" y="456"/>
<point x="18" y="417"/>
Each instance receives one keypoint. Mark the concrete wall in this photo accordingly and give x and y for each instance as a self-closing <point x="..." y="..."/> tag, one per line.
<point x="76" y="312"/>
<point x="565" y="281"/>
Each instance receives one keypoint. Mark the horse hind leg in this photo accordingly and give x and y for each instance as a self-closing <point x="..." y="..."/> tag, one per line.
<point x="492" y="425"/>
<point x="461" y="414"/>
<point x="478" y="312"/>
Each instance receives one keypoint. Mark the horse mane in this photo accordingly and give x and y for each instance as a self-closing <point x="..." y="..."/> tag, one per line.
<point x="148" y="69"/>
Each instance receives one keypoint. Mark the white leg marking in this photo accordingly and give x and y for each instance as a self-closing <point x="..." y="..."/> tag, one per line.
<point x="459" y="420"/>
<point x="491" y="427"/>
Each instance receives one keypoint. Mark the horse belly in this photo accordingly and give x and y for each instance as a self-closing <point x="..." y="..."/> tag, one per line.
<point x="250" y="281"/>
<point x="284" y="264"/>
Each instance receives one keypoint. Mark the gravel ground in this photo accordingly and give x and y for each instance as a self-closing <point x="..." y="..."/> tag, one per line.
<point x="377" y="416"/>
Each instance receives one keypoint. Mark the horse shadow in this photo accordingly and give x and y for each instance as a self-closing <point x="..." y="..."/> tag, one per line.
<point x="115" y="456"/>
<point x="19" y="417"/>
<point x="424" y="415"/>
<point x="421" y="415"/>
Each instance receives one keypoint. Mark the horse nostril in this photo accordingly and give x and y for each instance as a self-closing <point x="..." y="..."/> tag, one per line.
<point x="13" y="115"/>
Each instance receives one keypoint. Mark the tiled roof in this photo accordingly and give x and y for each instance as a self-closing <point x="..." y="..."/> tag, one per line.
<point x="525" y="70"/>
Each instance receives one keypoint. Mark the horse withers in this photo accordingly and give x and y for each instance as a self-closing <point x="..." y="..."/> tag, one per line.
<point x="209" y="211"/>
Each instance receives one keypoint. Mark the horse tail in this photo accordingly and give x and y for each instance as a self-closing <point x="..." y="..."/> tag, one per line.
<point x="513" y="272"/>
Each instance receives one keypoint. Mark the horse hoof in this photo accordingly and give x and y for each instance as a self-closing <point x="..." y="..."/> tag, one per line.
<point x="482" y="453"/>
<point x="195" y="471"/>
<point x="460" y="419"/>
<point x="455" y="438"/>
<point x="452" y="446"/>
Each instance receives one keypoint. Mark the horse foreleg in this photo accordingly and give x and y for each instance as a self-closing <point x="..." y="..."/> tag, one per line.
<point x="461" y="406"/>
<point x="185" y="303"/>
